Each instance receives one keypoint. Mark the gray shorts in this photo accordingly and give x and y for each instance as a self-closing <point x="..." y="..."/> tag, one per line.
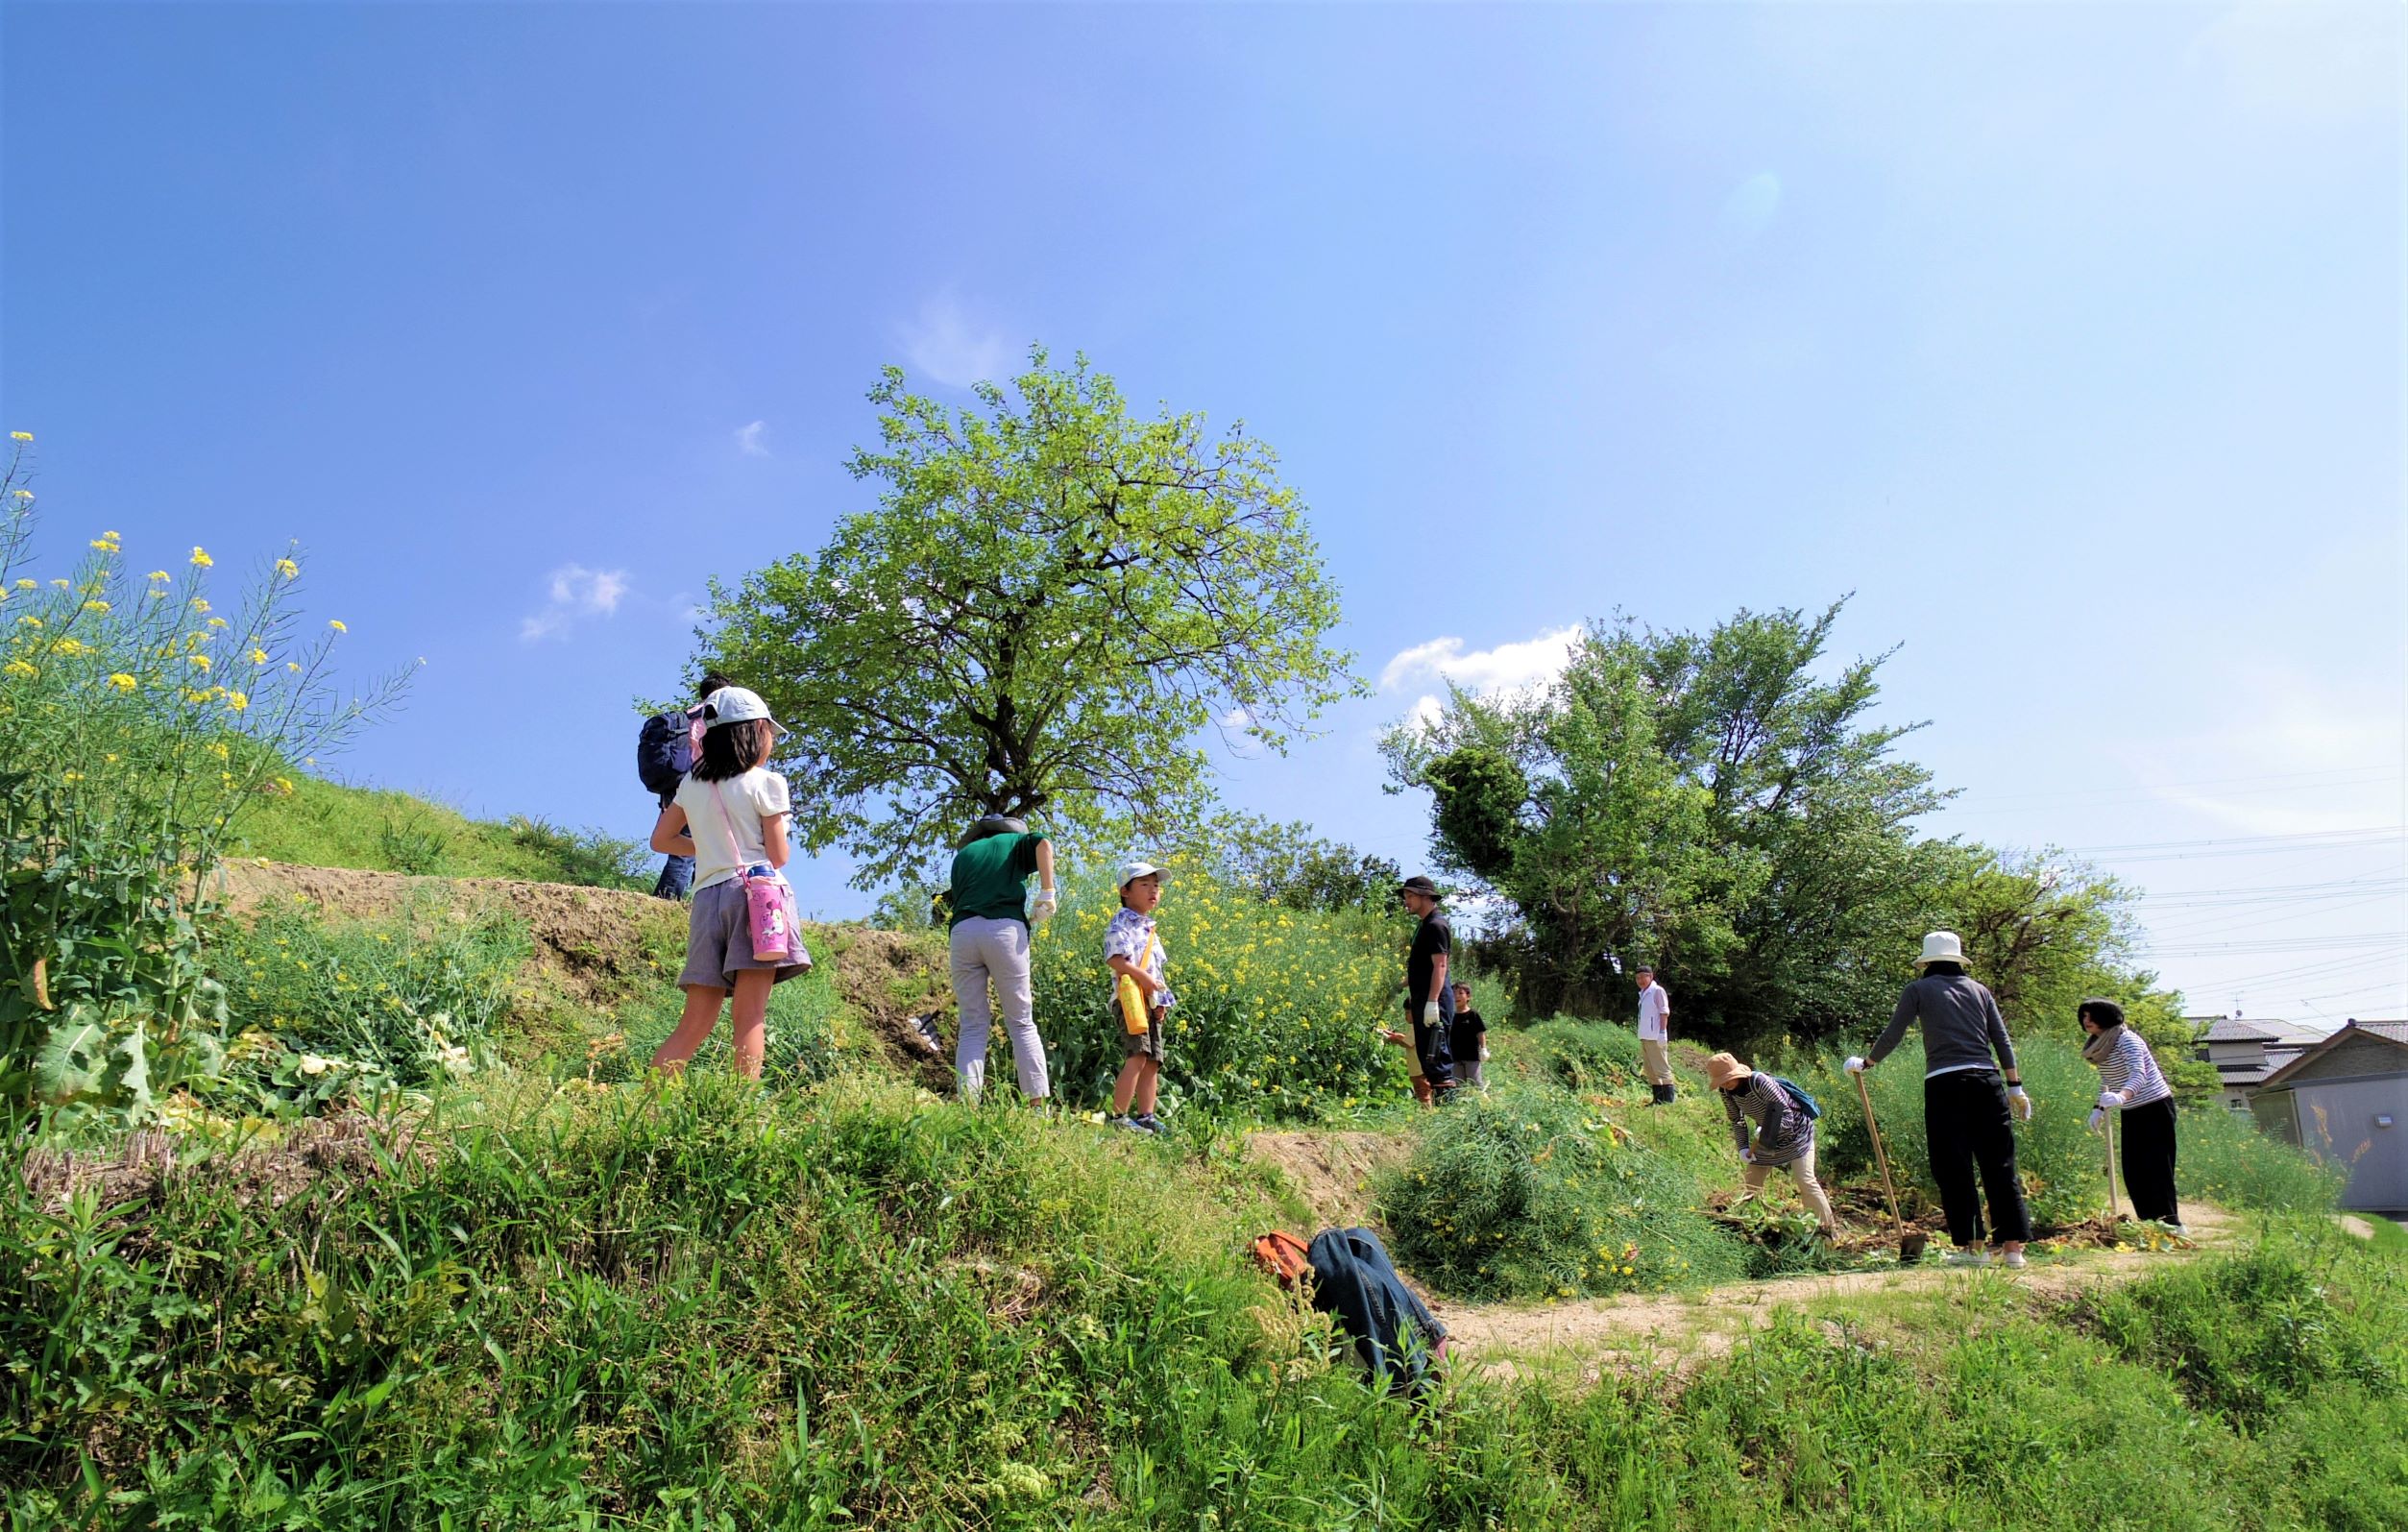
<point x="1146" y="1044"/>
<point x="718" y="940"/>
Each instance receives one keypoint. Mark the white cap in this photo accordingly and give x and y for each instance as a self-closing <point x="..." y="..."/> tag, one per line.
<point x="735" y="704"/>
<point x="1134" y="869"/>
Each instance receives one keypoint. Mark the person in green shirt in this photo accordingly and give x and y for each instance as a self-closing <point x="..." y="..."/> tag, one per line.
<point x="989" y="938"/>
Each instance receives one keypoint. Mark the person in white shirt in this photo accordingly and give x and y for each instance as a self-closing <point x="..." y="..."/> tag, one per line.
<point x="1655" y="1035"/>
<point x="730" y="816"/>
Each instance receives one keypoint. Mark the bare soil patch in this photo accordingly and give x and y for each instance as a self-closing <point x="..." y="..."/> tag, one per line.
<point x="1332" y="1171"/>
<point x="1676" y="1333"/>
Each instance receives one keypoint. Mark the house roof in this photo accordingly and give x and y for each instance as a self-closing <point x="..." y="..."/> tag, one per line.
<point x="2395" y="1033"/>
<point x="2234" y="1028"/>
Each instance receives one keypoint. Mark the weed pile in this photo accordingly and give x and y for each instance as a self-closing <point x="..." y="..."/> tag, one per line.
<point x="1581" y="1055"/>
<point x="1529" y="1191"/>
<point x="1277" y="1008"/>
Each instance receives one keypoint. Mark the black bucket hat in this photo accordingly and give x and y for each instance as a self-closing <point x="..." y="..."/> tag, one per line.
<point x="1418" y="884"/>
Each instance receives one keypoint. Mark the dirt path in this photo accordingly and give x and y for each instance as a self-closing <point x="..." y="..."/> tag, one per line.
<point x="1679" y="1332"/>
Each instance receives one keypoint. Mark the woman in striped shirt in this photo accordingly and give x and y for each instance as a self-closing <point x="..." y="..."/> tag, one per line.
<point x="1783" y="1134"/>
<point x="2129" y="1082"/>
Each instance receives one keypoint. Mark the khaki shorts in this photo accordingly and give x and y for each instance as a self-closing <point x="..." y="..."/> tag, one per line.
<point x="1146" y="1044"/>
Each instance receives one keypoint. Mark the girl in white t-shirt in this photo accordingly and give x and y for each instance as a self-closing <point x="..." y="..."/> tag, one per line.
<point x="729" y="815"/>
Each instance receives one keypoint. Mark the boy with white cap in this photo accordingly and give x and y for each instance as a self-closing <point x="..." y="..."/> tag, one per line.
<point x="1132" y="949"/>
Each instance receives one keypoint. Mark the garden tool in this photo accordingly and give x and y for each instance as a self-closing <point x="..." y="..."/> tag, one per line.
<point x="1910" y="1246"/>
<point x="2113" y="1213"/>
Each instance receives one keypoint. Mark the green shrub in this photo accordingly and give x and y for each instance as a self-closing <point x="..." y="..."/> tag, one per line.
<point x="137" y="725"/>
<point x="332" y="824"/>
<point x="2243" y="1335"/>
<point x="589" y="857"/>
<point x="405" y="998"/>
<point x="1582" y="1056"/>
<point x="1527" y="1191"/>
<point x="1277" y="1007"/>
<point x="2224" y="1158"/>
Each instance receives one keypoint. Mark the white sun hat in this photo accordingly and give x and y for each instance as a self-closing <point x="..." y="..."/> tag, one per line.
<point x="1942" y="946"/>
<point x="736" y="704"/>
<point x="1137" y="867"/>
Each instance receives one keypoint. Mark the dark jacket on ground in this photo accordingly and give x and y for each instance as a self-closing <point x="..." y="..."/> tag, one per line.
<point x="1394" y="1331"/>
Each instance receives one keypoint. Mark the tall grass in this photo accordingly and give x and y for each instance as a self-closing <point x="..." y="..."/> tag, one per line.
<point x="329" y="824"/>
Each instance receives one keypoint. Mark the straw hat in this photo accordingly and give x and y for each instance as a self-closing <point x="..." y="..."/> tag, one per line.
<point x="1722" y="1070"/>
<point x="1942" y="946"/>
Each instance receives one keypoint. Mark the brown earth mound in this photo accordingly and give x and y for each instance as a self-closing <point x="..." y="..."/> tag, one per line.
<point x="599" y="946"/>
<point x="1333" y="1171"/>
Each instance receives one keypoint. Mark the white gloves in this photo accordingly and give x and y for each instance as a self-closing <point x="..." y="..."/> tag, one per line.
<point x="2097" y="1118"/>
<point x="2019" y="1104"/>
<point x="1747" y="1157"/>
<point x="1429" y="1012"/>
<point x="1854" y="1065"/>
<point x="2109" y="1100"/>
<point x="1041" y="907"/>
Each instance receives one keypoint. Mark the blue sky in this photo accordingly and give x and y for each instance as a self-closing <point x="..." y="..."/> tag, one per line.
<point x="2066" y="337"/>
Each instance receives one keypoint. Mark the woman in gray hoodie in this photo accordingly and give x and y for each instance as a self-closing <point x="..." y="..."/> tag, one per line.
<point x="1969" y="1104"/>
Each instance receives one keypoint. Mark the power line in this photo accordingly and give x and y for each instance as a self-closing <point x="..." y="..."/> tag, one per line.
<point x="2295" y="838"/>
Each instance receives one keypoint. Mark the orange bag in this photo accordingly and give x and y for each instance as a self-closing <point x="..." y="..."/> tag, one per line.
<point x="1281" y="1254"/>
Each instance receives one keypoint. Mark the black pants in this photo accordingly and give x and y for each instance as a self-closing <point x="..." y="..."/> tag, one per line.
<point x="1432" y="1051"/>
<point x="2148" y="1150"/>
<point x="1964" y="1117"/>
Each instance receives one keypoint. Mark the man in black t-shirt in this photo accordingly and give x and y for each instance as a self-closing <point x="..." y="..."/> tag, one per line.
<point x="1429" y="1006"/>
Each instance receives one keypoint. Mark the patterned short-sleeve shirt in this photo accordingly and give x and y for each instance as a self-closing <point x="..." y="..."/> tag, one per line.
<point x="1130" y="936"/>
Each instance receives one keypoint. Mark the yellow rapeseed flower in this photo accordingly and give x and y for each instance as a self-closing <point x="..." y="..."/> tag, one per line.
<point x="259" y="656"/>
<point x="96" y="606"/>
<point x="236" y="701"/>
<point x="336" y="623"/>
<point x="23" y="494"/>
<point x="200" y="559"/>
<point x="159" y="574"/>
<point x="200" y="606"/>
<point x="287" y="568"/>
<point x="63" y="585"/>
<point x="19" y="668"/>
<point x="122" y="681"/>
<point x="217" y="622"/>
<point x="26" y="585"/>
<point x="199" y="661"/>
<point x="20" y="436"/>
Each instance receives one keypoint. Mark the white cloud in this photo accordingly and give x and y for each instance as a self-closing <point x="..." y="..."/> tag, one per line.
<point x="2306" y="59"/>
<point x="951" y="346"/>
<point x="748" y="439"/>
<point x="1483" y="672"/>
<point x="575" y="592"/>
<point x="1506" y="668"/>
<point x="2295" y="738"/>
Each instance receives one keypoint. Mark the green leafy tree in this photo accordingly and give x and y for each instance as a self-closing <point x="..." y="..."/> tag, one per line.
<point x="1285" y="863"/>
<point x="1720" y="804"/>
<point x="1050" y="605"/>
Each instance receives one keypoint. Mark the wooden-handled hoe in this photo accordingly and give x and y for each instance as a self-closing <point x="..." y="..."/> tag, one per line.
<point x="1910" y="1246"/>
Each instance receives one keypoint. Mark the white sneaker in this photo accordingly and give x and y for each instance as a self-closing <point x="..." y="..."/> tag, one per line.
<point x="1961" y="1257"/>
<point x="2012" y="1259"/>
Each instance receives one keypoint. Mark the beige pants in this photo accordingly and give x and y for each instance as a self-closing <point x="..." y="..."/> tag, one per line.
<point x="1655" y="1060"/>
<point x="1802" y="1170"/>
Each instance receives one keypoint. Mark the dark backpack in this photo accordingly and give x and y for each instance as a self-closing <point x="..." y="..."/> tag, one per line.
<point x="1797" y="1093"/>
<point x="663" y="754"/>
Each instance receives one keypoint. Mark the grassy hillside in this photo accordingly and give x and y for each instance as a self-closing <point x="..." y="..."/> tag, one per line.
<point x="325" y="824"/>
<point x="568" y="1305"/>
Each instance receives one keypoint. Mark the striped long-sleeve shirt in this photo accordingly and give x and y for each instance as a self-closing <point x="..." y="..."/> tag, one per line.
<point x="2131" y="1066"/>
<point x="1784" y="1130"/>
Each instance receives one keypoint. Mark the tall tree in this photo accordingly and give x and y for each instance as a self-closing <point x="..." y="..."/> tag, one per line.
<point x="1049" y="605"/>
<point x="1707" y="801"/>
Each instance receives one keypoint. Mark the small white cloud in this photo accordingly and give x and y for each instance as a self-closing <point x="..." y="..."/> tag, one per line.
<point x="748" y="439"/>
<point x="575" y="592"/>
<point x="952" y="347"/>
<point x="1506" y="668"/>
